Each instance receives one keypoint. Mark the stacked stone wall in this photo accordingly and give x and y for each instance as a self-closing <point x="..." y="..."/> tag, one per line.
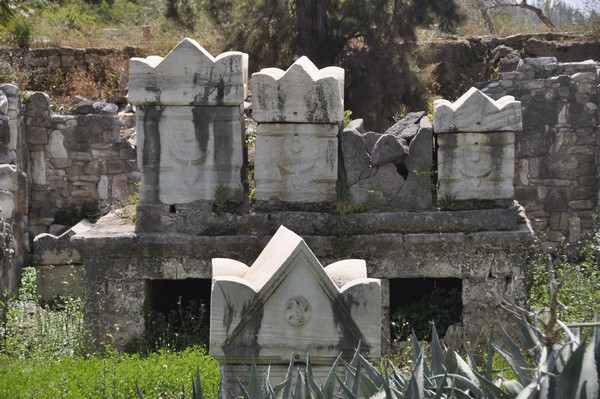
<point x="64" y="59"/>
<point x="13" y="190"/>
<point x="76" y="158"/>
<point x="556" y="167"/>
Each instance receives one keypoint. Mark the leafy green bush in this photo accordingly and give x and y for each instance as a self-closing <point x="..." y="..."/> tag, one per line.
<point x="22" y="32"/>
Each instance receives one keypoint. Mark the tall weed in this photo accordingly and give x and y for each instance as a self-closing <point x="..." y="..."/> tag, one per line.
<point x="29" y="330"/>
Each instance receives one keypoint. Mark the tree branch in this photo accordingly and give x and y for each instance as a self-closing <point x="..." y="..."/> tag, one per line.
<point x="540" y="14"/>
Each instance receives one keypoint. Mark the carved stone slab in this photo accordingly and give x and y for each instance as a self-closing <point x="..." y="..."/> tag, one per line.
<point x="476" y="165"/>
<point x="287" y="304"/>
<point x="189" y="75"/>
<point x="296" y="162"/>
<point x="476" y="112"/>
<point x="184" y="153"/>
<point x="303" y="93"/>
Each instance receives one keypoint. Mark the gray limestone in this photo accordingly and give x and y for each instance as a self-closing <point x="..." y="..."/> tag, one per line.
<point x="388" y="149"/>
<point x="383" y="170"/>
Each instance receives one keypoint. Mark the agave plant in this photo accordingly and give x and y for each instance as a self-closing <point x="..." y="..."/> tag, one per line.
<point x="555" y="362"/>
<point x="446" y="376"/>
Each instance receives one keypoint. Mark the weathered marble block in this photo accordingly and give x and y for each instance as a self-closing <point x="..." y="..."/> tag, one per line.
<point x="189" y="75"/>
<point x="476" y="112"/>
<point x="476" y="165"/>
<point x="186" y="152"/>
<point x="475" y="137"/>
<point x="296" y="162"/>
<point x="286" y="304"/>
<point x="302" y="94"/>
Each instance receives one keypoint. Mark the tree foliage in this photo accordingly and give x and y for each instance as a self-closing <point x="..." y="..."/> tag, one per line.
<point x="6" y="12"/>
<point x="369" y="38"/>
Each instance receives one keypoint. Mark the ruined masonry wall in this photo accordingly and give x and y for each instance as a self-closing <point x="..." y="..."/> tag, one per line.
<point x="76" y="158"/>
<point x="13" y="191"/>
<point x="556" y="167"/>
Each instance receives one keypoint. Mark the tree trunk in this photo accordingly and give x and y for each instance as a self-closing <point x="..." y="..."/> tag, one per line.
<point x="311" y="17"/>
<point x="486" y="18"/>
<point x="540" y="14"/>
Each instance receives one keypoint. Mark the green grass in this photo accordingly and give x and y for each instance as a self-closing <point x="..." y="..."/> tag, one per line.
<point x="114" y="375"/>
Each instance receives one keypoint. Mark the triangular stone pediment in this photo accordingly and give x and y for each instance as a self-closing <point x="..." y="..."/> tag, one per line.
<point x="295" y="308"/>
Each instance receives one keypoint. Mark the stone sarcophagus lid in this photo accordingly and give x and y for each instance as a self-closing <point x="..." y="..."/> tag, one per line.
<point x="476" y="154"/>
<point x="189" y="75"/>
<point x="286" y="304"/>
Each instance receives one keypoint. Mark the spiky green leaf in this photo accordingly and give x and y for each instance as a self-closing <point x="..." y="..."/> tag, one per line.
<point x="330" y="382"/>
<point x="437" y="353"/>
<point x="519" y="357"/>
<point x="373" y="374"/>
<point x="490" y="388"/>
<point x="197" y="389"/>
<point x="568" y="382"/>
<point x="282" y="390"/>
<point x="347" y="390"/>
<point x="312" y="388"/>
<point x="528" y="332"/>
<point x="137" y="390"/>
<point x="300" y="388"/>
<point x="415" y="389"/>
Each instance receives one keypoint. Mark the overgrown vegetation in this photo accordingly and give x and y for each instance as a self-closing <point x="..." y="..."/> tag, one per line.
<point x="43" y="355"/>
<point x="576" y="271"/>
<point x="181" y="328"/>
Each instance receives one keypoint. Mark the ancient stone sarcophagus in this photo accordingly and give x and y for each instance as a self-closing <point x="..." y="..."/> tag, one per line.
<point x="189" y="123"/>
<point x="476" y="155"/>
<point x="298" y="113"/>
<point x="287" y="304"/>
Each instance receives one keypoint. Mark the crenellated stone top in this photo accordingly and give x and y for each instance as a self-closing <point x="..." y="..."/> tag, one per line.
<point x="476" y="112"/>
<point x="189" y="75"/>
<point x="303" y="93"/>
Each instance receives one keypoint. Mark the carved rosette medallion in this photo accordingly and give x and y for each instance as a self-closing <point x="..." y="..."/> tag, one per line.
<point x="297" y="311"/>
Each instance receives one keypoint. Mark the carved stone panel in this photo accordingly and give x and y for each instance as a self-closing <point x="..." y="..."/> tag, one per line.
<point x="476" y="165"/>
<point x="296" y="162"/>
<point x="185" y="153"/>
